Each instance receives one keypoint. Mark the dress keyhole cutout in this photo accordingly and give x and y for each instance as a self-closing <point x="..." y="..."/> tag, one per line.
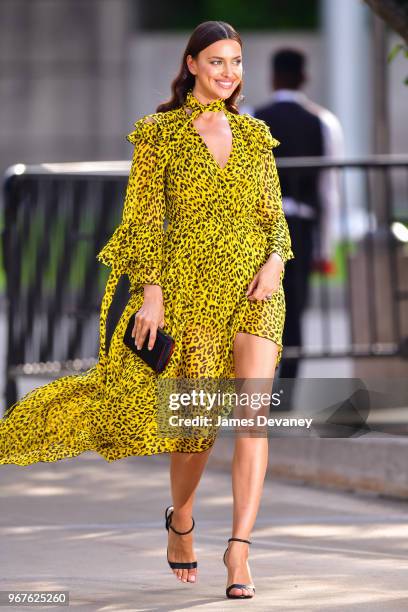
<point x="218" y="144"/>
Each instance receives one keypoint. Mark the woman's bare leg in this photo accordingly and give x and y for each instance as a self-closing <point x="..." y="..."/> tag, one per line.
<point x="254" y="358"/>
<point x="185" y="472"/>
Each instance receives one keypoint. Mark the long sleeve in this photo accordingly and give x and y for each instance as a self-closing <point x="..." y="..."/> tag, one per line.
<point x="135" y="248"/>
<point x="272" y="217"/>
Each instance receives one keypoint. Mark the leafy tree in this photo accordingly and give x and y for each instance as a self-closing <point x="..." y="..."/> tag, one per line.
<point x="395" y="14"/>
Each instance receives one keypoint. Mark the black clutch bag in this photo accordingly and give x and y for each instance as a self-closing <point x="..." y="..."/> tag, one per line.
<point x="161" y="352"/>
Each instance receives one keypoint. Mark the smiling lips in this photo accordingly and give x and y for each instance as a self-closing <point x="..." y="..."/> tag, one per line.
<point x="225" y="84"/>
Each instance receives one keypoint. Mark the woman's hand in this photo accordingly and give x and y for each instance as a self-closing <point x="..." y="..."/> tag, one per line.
<point x="149" y="317"/>
<point x="266" y="280"/>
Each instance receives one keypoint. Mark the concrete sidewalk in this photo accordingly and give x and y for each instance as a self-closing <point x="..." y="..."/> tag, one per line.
<point x="97" y="530"/>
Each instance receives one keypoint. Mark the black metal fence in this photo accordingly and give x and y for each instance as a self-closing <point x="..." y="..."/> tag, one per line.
<point x="58" y="216"/>
<point x="363" y="310"/>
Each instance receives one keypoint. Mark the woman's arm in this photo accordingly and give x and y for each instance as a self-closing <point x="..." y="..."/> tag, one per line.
<point x="135" y="248"/>
<point x="272" y="217"/>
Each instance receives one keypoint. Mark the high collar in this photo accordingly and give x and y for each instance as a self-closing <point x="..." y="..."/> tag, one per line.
<point x="197" y="107"/>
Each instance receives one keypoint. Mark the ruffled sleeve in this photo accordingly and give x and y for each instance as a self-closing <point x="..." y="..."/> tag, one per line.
<point x="270" y="209"/>
<point x="135" y="248"/>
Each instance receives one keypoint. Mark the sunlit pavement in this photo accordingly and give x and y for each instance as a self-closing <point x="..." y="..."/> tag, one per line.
<point x="97" y="529"/>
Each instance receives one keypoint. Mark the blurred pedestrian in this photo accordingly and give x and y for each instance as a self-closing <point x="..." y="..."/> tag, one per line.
<point x="310" y="196"/>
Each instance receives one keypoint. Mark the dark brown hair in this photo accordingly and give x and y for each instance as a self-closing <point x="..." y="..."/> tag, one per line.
<point x="204" y="35"/>
<point x="288" y="66"/>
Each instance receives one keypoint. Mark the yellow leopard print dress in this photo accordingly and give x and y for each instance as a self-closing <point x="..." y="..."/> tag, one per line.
<point x="222" y="225"/>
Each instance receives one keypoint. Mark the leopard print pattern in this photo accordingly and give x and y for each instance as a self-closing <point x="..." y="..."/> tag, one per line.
<point x="222" y="225"/>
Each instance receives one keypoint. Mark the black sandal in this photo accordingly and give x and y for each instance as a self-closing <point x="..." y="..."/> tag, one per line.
<point x="178" y="564"/>
<point x="237" y="585"/>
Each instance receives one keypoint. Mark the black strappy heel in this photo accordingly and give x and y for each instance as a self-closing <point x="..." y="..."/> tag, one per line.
<point x="237" y="585"/>
<point x="178" y="564"/>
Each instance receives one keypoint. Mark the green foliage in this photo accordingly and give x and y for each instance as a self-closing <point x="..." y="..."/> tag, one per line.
<point x="259" y="15"/>
<point x="395" y="51"/>
<point x="343" y="250"/>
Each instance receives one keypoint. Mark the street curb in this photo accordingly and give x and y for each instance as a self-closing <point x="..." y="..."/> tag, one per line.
<point x="365" y="464"/>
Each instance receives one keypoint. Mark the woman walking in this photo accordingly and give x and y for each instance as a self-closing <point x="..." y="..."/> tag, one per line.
<point x="213" y="279"/>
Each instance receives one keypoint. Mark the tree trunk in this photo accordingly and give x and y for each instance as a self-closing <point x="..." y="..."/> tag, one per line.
<point x="394" y="13"/>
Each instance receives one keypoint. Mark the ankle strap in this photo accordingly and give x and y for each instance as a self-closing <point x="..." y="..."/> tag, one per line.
<point x="168" y="521"/>
<point x="239" y="540"/>
<point x="182" y="532"/>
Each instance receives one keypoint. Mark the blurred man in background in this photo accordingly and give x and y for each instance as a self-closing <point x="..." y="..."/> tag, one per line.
<point x="309" y="196"/>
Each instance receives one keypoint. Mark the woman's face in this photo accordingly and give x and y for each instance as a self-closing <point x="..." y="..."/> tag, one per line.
<point x="217" y="68"/>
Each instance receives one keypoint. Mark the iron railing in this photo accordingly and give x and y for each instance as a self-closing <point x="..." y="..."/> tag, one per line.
<point x="58" y="216"/>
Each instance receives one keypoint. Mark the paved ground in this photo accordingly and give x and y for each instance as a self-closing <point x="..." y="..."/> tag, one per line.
<point x="97" y="530"/>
